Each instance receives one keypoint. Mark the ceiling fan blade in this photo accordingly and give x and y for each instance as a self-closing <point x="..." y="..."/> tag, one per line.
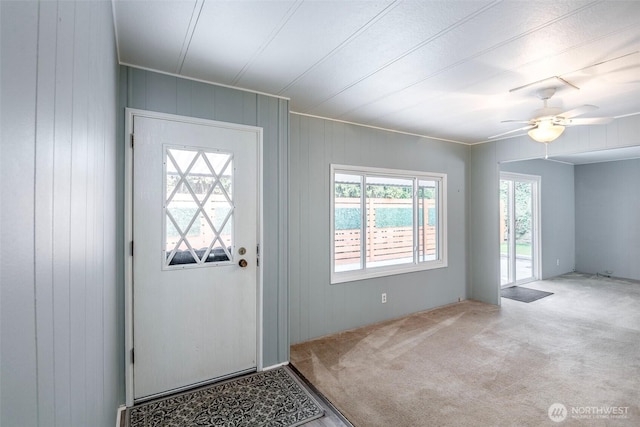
<point x="589" y="121"/>
<point x="577" y="111"/>
<point x="512" y="131"/>
<point x="516" y="121"/>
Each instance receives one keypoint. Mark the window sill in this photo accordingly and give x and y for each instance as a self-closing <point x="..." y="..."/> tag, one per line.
<point x="371" y="273"/>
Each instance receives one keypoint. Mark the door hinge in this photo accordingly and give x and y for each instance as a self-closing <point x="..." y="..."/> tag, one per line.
<point x="133" y="357"/>
<point x="131" y="248"/>
<point x="258" y="255"/>
<point x="131" y="139"/>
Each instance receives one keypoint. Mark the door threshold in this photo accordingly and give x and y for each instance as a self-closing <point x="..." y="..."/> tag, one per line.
<point x="195" y="386"/>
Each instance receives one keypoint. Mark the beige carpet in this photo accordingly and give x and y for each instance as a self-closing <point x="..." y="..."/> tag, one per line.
<point x="473" y="364"/>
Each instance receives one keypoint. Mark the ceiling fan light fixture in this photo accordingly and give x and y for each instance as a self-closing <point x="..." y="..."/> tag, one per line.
<point x="546" y="132"/>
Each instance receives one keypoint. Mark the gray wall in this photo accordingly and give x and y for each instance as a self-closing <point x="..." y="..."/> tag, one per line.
<point x="151" y="91"/>
<point x="61" y="319"/>
<point x="484" y="254"/>
<point x="607" y="218"/>
<point x="318" y="308"/>
<point x="557" y="212"/>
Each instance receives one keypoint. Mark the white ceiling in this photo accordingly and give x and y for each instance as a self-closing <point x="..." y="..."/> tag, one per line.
<point x="610" y="155"/>
<point x="442" y="69"/>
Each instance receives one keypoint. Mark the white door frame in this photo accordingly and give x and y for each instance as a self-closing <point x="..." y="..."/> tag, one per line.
<point x="536" y="223"/>
<point x="128" y="233"/>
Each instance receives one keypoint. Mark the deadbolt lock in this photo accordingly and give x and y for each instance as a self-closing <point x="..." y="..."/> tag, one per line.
<point x="242" y="251"/>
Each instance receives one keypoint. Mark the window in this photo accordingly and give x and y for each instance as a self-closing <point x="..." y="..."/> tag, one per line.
<point x="386" y="222"/>
<point x="198" y="209"/>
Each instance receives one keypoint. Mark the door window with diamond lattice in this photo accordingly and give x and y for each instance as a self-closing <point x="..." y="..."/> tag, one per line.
<point x="198" y="207"/>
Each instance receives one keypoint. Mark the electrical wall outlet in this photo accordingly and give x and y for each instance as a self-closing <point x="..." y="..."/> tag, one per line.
<point x="558" y="261"/>
<point x="384" y="298"/>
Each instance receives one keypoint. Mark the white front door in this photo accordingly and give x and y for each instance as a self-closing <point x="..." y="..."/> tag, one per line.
<point x="195" y="236"/>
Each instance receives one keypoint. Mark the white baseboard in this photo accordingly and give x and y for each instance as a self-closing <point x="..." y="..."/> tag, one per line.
<point x="268" y="368"/>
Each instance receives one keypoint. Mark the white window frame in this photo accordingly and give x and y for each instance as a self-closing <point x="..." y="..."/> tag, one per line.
<point x="381" y="271"/>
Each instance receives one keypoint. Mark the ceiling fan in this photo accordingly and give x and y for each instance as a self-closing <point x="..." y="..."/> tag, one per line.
<point x="549" y="122"/>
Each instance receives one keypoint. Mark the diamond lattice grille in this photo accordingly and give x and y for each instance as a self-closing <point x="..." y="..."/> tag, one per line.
<point x="198" y="206"/>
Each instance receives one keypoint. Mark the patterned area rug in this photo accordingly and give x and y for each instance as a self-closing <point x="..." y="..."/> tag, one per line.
<point x="269" y="398"/>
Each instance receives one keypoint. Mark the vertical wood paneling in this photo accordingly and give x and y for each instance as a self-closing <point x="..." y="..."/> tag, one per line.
<point x="606" y="194"/>
<point x="301" y="258"/>
<point x="294" y="230"/>
<point x="161" y="93"/>
<point x="94" y="284"/>
<point x="268" y="115"/>
<point x="319" y="308"/>
<point x="336" y="293"/>
<point x="184" y="98"/>
<point x="484" y="266"/>
<point x="78" y="285"/>
<point x="43" y="221"/>
<point x="113" y="272"/>
<point x="155" y="92"/>
<point x="70" y="376"/>
<point x="250" y="112"/>
<point x="228" y="105"/>
<point x="62" y="214"/>
<point x="18" y="386"/>
<point x="283" y="222"/>
<point x="202" y="99"/>
<point x="314" y="202"/>
<point x="628" y="131"/>
<point x="137" y="89"/>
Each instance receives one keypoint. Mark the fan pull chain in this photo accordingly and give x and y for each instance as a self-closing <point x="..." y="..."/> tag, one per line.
<point x="546" y="151"/>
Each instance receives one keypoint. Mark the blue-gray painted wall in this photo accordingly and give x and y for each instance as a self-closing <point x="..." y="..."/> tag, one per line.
<point x="60" y="302"/>
<point x="607" y="202"/>
<point x="318" y="308"/>
<point x="557" y="213"/>
<point x="61" y="217"/>
<point x="152" y="91"/>
<point x="484" y="175"/>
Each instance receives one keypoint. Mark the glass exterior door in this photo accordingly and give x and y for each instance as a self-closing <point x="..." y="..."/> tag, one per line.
<point x="518" y="228"/>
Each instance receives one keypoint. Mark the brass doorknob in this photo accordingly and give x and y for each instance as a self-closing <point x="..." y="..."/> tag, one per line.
<point x="243" y="263"/>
